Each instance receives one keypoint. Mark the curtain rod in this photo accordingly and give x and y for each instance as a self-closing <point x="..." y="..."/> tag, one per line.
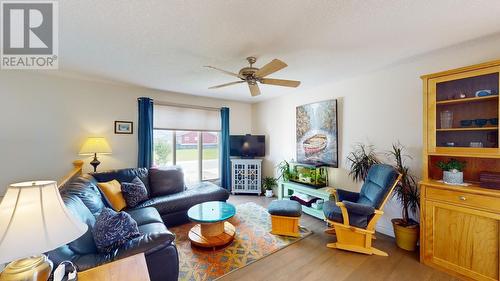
<point x="187" y="106"/>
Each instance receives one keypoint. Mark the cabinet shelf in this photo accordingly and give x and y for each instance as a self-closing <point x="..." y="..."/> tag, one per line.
<point x="468" y="129"/>
<point x="467" y="100"/>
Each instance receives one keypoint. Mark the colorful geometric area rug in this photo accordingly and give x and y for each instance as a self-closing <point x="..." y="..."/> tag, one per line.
<point x="251" y="243"/>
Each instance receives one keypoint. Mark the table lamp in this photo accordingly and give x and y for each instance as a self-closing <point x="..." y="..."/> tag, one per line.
<point x="92" y="146"/>
<point x="33" y="220"/>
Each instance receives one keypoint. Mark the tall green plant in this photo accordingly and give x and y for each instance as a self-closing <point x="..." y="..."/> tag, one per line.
<point x="284" y="170"/>
<point x="360" y="160"/>
<point x="406" y="191"/>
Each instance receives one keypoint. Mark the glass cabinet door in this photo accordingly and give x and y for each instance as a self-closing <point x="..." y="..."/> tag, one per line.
<point x="463" y="111"/>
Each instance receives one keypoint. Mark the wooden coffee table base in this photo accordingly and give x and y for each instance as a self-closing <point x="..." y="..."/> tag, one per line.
<point x="212" y="235"/>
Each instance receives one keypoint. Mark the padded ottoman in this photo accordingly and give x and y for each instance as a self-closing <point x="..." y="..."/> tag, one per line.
<point x="285" y="216"/>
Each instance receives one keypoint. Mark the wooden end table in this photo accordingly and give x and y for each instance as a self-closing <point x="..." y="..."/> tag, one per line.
<point x="133" y="268"/>
<point x="213" y="230"/>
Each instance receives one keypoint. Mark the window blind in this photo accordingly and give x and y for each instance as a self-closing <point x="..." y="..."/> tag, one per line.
<point x="184" y="118"/>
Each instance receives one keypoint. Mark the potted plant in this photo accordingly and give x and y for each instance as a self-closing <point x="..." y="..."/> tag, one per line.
<point x="406" y="229"/>
<point x="284" y="170"/>
<point x="452" y="171"/>
<point x="360" y="160"/>
<point x="268" y="183"/>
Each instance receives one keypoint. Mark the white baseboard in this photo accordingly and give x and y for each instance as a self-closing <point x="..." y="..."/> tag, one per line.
<point x="384" y="229"/>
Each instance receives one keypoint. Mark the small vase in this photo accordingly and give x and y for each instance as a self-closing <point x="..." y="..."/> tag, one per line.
<point x="269" y="193"/>
<point x="453" y="177"/>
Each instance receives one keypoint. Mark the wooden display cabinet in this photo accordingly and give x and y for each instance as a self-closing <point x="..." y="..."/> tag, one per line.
<point x="460" y="225"/>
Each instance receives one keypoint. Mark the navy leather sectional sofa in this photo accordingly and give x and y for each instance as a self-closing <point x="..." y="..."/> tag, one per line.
<point x="168" y="202"/>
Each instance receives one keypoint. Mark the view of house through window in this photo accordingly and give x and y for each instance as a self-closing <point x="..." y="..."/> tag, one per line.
<point x="197" y="152"/>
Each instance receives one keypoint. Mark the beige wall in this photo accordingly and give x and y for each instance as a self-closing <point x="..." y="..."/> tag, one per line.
<point x="378" y="108"/>
<point x="44" y="119"/>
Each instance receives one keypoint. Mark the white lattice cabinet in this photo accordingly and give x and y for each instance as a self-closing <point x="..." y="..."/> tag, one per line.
<point x="246" y="176"/>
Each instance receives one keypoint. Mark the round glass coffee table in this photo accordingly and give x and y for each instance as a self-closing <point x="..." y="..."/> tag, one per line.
<point x="213" y="230"/>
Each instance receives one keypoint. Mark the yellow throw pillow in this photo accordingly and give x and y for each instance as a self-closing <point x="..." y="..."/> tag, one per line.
<point x="113" y="192"/>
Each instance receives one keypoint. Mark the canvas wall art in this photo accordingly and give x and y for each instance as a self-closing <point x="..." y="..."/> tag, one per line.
<point x="317" y="133"/>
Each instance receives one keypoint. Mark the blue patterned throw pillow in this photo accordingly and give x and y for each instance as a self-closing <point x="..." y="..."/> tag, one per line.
<point x="112" y="230"/>
<point x="134" y="192"/>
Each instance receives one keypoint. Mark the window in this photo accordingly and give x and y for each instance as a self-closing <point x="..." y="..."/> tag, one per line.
<point x="210" y="158"/>
<point x="196" y="152"/>
<point x="187" y="137"/>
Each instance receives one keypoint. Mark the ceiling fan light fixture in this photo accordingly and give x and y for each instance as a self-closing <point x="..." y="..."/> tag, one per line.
<point x="253" y="75"/>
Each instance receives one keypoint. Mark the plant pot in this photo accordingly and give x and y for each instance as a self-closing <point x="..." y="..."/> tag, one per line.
<point x="269" y="193"/>
<point x="406" y="236"/>
<point x="453" y="177"/>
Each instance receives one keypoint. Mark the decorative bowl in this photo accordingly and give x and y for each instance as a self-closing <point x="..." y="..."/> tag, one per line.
<point x="466" y="123"/>
<point x="480" y="122"/>
<point x="484" y="93"/>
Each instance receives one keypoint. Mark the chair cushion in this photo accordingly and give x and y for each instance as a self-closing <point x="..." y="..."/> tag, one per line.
<point x="347" y="195"/>
<point x="358" y="209"/>
<point x="134" y="192"/>
<point x="286" y="208"/>
<point x="333" y="213"/>
<point x="112" y="191"/>
<point x="166" y="181"/>
<point x="182" y="201"/>
<point x="112" y="230"/>
<point x="377" y="184"/>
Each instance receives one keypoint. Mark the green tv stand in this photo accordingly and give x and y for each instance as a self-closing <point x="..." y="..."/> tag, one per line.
<point x="286" y="189"/>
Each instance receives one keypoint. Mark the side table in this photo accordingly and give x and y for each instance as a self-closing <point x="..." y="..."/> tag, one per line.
<point x="133" y="268"/>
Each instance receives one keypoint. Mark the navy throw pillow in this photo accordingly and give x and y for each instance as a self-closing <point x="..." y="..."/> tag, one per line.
<point x="134" y="192"/>
<point x="112" y="230"/>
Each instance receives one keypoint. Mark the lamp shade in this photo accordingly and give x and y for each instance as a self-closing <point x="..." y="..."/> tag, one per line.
<point x="34" y="220"/>
<point x="95" y="145"/>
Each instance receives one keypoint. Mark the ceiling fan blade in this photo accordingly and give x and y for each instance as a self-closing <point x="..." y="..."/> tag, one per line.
<point x="280" y="82"/>
<point x="270" y="68"/>
<point x="254" y="89"/>
<point x="224" y="71"/>
<point x="227" y="84"/>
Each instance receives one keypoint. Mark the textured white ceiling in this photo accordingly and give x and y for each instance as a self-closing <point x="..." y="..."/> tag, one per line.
<point x="163" y="44"/>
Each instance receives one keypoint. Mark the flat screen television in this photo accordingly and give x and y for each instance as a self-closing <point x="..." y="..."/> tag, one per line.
<point x="247" y="146"/>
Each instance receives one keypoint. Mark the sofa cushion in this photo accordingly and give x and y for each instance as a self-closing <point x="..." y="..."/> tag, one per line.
<point x="86" y="189"/>
<point x="134" y="192"/>
<point x="112" y="230"/>
<point x="182" y="201"/>
<point x="145" y="243"/>
<point x="153" y="228"/>
<point x="84" y="244"/>
<point x="123" y="175"/>
<point x="145" y="215"/>
<point x="166" y="181"/>
<point x="112" y="191"/>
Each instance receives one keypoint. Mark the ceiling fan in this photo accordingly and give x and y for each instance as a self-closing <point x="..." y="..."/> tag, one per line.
<point x="252" y="76"/>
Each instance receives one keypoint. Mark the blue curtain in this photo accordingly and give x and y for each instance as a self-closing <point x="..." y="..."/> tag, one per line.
<point x="225" y="170"/>
<point x="145" y="133"/>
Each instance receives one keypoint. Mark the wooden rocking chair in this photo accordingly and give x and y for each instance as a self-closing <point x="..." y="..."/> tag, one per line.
<point x="355" y="215"/>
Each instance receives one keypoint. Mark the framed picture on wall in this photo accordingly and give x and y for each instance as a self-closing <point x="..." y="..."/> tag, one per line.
<point x="124" y="127"/>
<point x="317" y="133"/>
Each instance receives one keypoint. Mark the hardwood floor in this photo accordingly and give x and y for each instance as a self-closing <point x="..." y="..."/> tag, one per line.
<point x="310" y="259"/>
